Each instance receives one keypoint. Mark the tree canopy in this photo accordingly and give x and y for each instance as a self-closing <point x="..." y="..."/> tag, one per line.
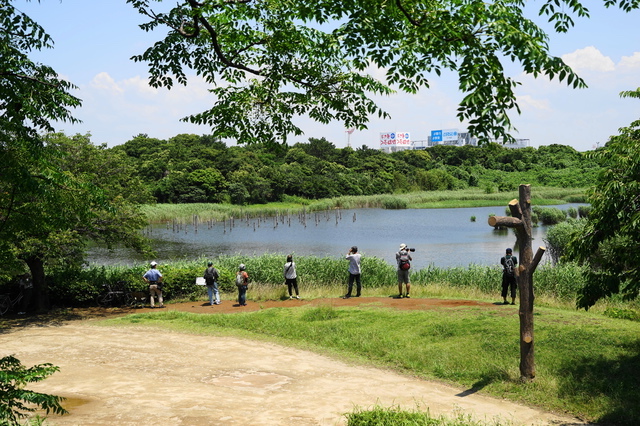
<point x="610" y="242"/>
<point x="53" y="197"/>
<point x="31" y="94"/>
<point x="197" y="169"/>
<point x="269" y="61"/>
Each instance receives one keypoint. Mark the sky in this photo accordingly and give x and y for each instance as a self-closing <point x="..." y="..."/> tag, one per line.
<point x="95" y="39"/>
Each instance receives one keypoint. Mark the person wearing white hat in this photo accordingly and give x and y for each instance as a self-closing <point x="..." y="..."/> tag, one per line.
<point x="403" y="259"/>
<point x="153" y="277"/>
<point x="242" y="281"/>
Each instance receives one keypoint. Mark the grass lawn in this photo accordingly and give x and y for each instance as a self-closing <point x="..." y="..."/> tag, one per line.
<point x="587" y="365"/>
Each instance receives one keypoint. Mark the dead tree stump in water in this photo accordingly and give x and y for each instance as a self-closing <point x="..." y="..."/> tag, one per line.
<point x="520" y="220"/>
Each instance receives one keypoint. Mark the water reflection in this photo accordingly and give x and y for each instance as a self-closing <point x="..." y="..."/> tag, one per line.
<point x="442" y="237"/>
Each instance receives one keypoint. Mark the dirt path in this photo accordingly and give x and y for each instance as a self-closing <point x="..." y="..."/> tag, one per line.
<point x="137" y="376"/>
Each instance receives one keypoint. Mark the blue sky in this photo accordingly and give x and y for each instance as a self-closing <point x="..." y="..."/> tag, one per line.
<point x="95" y="39"/>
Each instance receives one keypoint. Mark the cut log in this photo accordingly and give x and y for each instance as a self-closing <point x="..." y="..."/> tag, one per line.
<point x="509" y="222"/>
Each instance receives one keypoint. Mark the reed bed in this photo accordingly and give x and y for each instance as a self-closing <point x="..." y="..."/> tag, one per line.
<point x="473" y="197"/>
<point x="327" y="277"/>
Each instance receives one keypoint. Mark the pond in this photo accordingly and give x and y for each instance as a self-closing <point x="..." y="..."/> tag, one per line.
<point x="442" y="237"/>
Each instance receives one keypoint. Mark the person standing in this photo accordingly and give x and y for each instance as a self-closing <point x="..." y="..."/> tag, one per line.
<point x="403" y="259"/>
<point x="354" y="272"/>
<point x="153" y="277"/>
<point x="26" y="288"/>
<point x="509" y="263"/>
<point x="242" y="281"/>
<point x="291" y="277"/>
<point x="211" y="276"/>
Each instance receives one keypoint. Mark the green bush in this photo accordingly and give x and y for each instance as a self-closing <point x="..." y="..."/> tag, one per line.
<point x="623" y="313"/>
<point x="550" y="215"/>
<point x="16" y="401"/>
<point x="583" y="211"/>
<point x="560" y="236"/>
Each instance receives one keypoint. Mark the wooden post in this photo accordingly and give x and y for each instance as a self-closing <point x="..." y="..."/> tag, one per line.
<point x="521" y="222"/>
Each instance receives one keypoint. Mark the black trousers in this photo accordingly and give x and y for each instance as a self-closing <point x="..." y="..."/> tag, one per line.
<point x="356" y="278"/>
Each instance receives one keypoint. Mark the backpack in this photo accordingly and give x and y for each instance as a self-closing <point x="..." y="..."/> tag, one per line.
<point x="209" y="274"/>
<point x="509" y="266"/>
<point x="404" y="261"/>
<point x="240" y="279"/>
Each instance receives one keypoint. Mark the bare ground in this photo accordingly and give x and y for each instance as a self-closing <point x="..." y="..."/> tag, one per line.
<point x="141" y="376"/>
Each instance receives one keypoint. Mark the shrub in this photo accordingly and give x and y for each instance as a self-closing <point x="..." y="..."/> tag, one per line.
<point x="623" y="313"/>
<point x="559" y="236"/>
<point x="550" y="215"/>
<point x="583" y="211"/>
<point x="13" y="395"/>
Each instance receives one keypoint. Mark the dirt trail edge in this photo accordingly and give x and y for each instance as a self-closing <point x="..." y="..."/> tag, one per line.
<point x="138" y="376"/>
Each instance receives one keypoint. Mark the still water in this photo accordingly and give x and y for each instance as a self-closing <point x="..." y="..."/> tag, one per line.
<point x="442" y="237"/>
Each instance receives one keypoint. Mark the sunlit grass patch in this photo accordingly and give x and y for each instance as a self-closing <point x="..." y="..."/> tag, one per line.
<point x="397" y="416"/>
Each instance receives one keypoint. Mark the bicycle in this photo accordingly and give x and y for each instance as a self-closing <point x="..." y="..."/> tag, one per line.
<point x="7" y="302"/>
<point x="116" y="295"/>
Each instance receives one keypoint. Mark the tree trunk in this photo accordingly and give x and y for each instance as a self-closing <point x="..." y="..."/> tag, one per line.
<point x="525" y="285"/>
<point x="521" y="222"/>
<point x="41" y="292"/>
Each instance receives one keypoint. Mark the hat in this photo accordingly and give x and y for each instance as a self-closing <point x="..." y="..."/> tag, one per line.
<point x="210" y="264"/>
<point x="403" y="246"/>
<point x="509" y="250"/>
<point x="241" y="267"/>
<point x="153" y="263"/>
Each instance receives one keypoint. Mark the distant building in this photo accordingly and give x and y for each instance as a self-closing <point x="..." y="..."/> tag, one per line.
<point x="395" y="141"/>
<point x="399" y="141"/>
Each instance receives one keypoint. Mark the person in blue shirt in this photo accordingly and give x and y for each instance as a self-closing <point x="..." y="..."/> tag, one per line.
<point x="153" y="277"/>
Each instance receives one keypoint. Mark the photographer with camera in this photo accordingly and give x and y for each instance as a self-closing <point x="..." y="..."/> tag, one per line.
<point x="354" y="272"/>
<point x="403" y="258"/>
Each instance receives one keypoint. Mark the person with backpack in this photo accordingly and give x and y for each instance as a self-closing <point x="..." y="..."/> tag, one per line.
<point x="291" y="277"/>
<point x="403" y="259"/>
<point x="354" y="272"/>
<point x="242" y="282"/>
<point x="509" y="263"/>
<point x="211" y="276"/>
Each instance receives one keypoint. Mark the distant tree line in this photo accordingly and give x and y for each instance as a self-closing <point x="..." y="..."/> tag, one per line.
<point x="199" y="169"/>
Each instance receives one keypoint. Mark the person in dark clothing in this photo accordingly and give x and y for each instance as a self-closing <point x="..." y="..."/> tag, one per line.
<point x="509" y="263"/>
<point x="211" y="276"/>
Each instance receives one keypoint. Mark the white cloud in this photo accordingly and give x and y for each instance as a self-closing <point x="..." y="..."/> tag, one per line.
<point x="139" y="86"/>
<point x="589" y="59"/>
<point x="103" y="81"/>
<point x="630" y="63"/>
<point x="529" y="102"/>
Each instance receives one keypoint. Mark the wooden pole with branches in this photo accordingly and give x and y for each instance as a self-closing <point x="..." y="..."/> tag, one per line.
<point x="520" y="220"/>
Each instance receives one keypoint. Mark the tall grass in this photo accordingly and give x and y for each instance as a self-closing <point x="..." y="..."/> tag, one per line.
<point x="473" y="197"/>
<point x="321" y="277"/>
